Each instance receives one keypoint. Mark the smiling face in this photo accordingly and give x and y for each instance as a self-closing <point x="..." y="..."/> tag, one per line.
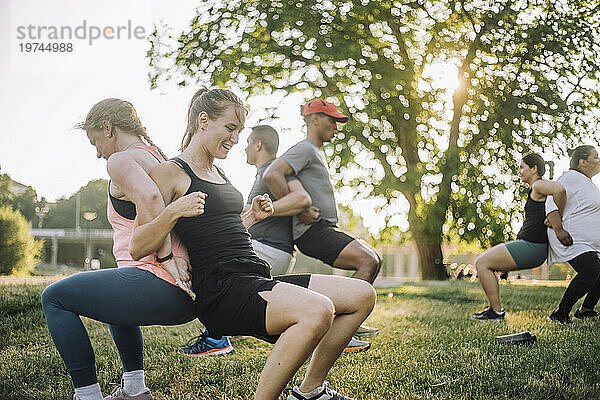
<point x="105" y="146"/>
<point x="221" y="134"/>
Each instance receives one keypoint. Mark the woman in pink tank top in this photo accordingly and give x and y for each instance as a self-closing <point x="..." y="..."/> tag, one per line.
<point x="154" y="290"/>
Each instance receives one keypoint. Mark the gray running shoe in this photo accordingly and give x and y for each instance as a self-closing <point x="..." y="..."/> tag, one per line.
<point x="324" y="394"/>
<point x="119" y="394"/>
<point x="366" y="331"/>
<point x="355" y="345"/>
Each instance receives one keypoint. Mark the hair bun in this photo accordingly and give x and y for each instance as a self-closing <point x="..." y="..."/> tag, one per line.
<point x="570" y="152"/>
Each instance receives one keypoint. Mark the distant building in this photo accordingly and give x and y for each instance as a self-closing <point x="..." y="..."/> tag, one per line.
<point x="18" y="187"/>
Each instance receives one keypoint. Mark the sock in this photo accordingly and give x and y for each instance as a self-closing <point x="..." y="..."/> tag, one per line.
<point x="90" y="392"/>
<point x="133" y="382"/>
<point x="310" y="394"/>
<point x="498" y="312"/>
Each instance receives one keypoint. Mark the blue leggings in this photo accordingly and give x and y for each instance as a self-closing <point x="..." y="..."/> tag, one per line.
<point x="124" y="298"/>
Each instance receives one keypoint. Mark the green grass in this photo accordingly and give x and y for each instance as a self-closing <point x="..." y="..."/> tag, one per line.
<point x="427" y="348"/>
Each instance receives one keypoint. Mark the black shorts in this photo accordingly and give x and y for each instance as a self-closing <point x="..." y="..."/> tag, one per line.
<point x="227" y="299"/>
<point x="323" y="241"/>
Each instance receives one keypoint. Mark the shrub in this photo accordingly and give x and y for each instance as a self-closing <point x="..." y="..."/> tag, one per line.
<point x="19" y="251"/>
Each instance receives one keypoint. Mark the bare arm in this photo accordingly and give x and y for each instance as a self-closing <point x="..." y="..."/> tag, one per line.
<point x="139" y="188"/>
<point x="294" y="202"/>
<point x="148" y="237"/>
<point x="542" y="188"/>
<point x="555" y="221"/>
<point x="275" y="177"/>
<point x="260" y="208"/>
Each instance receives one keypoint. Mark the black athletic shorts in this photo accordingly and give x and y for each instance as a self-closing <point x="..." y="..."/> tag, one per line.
<point x="227" y="299"/>
<point x="323" y="241"/>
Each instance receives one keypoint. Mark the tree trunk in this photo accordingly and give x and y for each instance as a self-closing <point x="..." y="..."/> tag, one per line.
<point x="430" y="257"/>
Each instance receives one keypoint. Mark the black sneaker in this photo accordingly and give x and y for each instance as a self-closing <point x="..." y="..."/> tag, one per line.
<point x="488" y="314"/>
<point x="585" y="314"/>
<point x="558" y="316"/>
<point x="481" y="312"/>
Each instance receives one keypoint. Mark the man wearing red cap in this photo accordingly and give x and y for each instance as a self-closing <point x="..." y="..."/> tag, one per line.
<point x="315" y="231"/>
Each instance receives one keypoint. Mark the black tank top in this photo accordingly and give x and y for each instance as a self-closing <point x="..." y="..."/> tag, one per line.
<point x="124" y="208"/>
<point x="218" y="234"/>
<point x="533" y="229"/>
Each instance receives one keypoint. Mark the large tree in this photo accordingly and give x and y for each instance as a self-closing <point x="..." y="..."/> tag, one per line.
<point x="527" y="72"/>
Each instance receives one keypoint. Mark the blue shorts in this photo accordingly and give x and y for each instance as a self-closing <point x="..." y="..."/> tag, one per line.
<point x="527" y="254"/>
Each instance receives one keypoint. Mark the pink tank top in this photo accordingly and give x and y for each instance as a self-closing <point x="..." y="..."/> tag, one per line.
<point x="123" y="230"/>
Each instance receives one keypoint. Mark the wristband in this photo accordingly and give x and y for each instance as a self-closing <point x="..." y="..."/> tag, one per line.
<point x="165" y="258"/>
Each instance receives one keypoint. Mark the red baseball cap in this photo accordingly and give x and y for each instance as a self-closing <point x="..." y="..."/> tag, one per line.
<point x="323" y="106"/>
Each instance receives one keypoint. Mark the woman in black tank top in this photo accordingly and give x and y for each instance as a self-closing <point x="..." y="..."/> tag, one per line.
<point x="531" y="247"/>
<point x="300" y="314"/>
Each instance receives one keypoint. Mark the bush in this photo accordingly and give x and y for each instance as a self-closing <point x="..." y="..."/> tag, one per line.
<point x="19" y="251"/>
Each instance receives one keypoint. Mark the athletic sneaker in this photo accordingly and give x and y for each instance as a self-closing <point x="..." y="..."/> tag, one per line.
<point x="558" y="316"/>
<point x="206" y="346"/>
<point x="324" y="393"/>
<point x="365" y="331"/>
<point x="119" y="394"/>
<point x="481" y="312"/>
<point x="585" y="314"/>
<point x="355" y="345"/>
<point x="488" y="314"/>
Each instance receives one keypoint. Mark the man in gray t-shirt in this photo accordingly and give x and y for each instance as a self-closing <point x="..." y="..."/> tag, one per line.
<point x="272" y="237"/>
<point x="320" y="239"/>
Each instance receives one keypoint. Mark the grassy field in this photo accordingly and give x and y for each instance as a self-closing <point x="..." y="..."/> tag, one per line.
<point x="428" y="348"/>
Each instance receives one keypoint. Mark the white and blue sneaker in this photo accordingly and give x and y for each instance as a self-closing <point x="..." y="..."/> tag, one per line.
<point x="204" y="345"/>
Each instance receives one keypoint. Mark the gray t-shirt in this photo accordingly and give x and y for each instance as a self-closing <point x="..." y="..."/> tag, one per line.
<point x="309" y="165"/>
<point x="273" y="231"/>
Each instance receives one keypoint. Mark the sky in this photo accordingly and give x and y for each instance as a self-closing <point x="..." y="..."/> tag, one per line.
<point x="44" y="94"/>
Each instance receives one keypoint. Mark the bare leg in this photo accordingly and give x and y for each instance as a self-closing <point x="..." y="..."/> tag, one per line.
<point x="360" y="257"/>
<point x="302" y="317"/>
<point x="497" y="258"/>
<point x="353" y="300"/>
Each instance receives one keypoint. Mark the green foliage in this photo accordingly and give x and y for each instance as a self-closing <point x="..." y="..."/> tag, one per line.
<point x="527" y="74"/>
<point x="19" y="251"/>
<point x="5" y="192"/>
<point x="26" y="203"/>
<point x="93" y="198"/>
<point x="427" y="348"/>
